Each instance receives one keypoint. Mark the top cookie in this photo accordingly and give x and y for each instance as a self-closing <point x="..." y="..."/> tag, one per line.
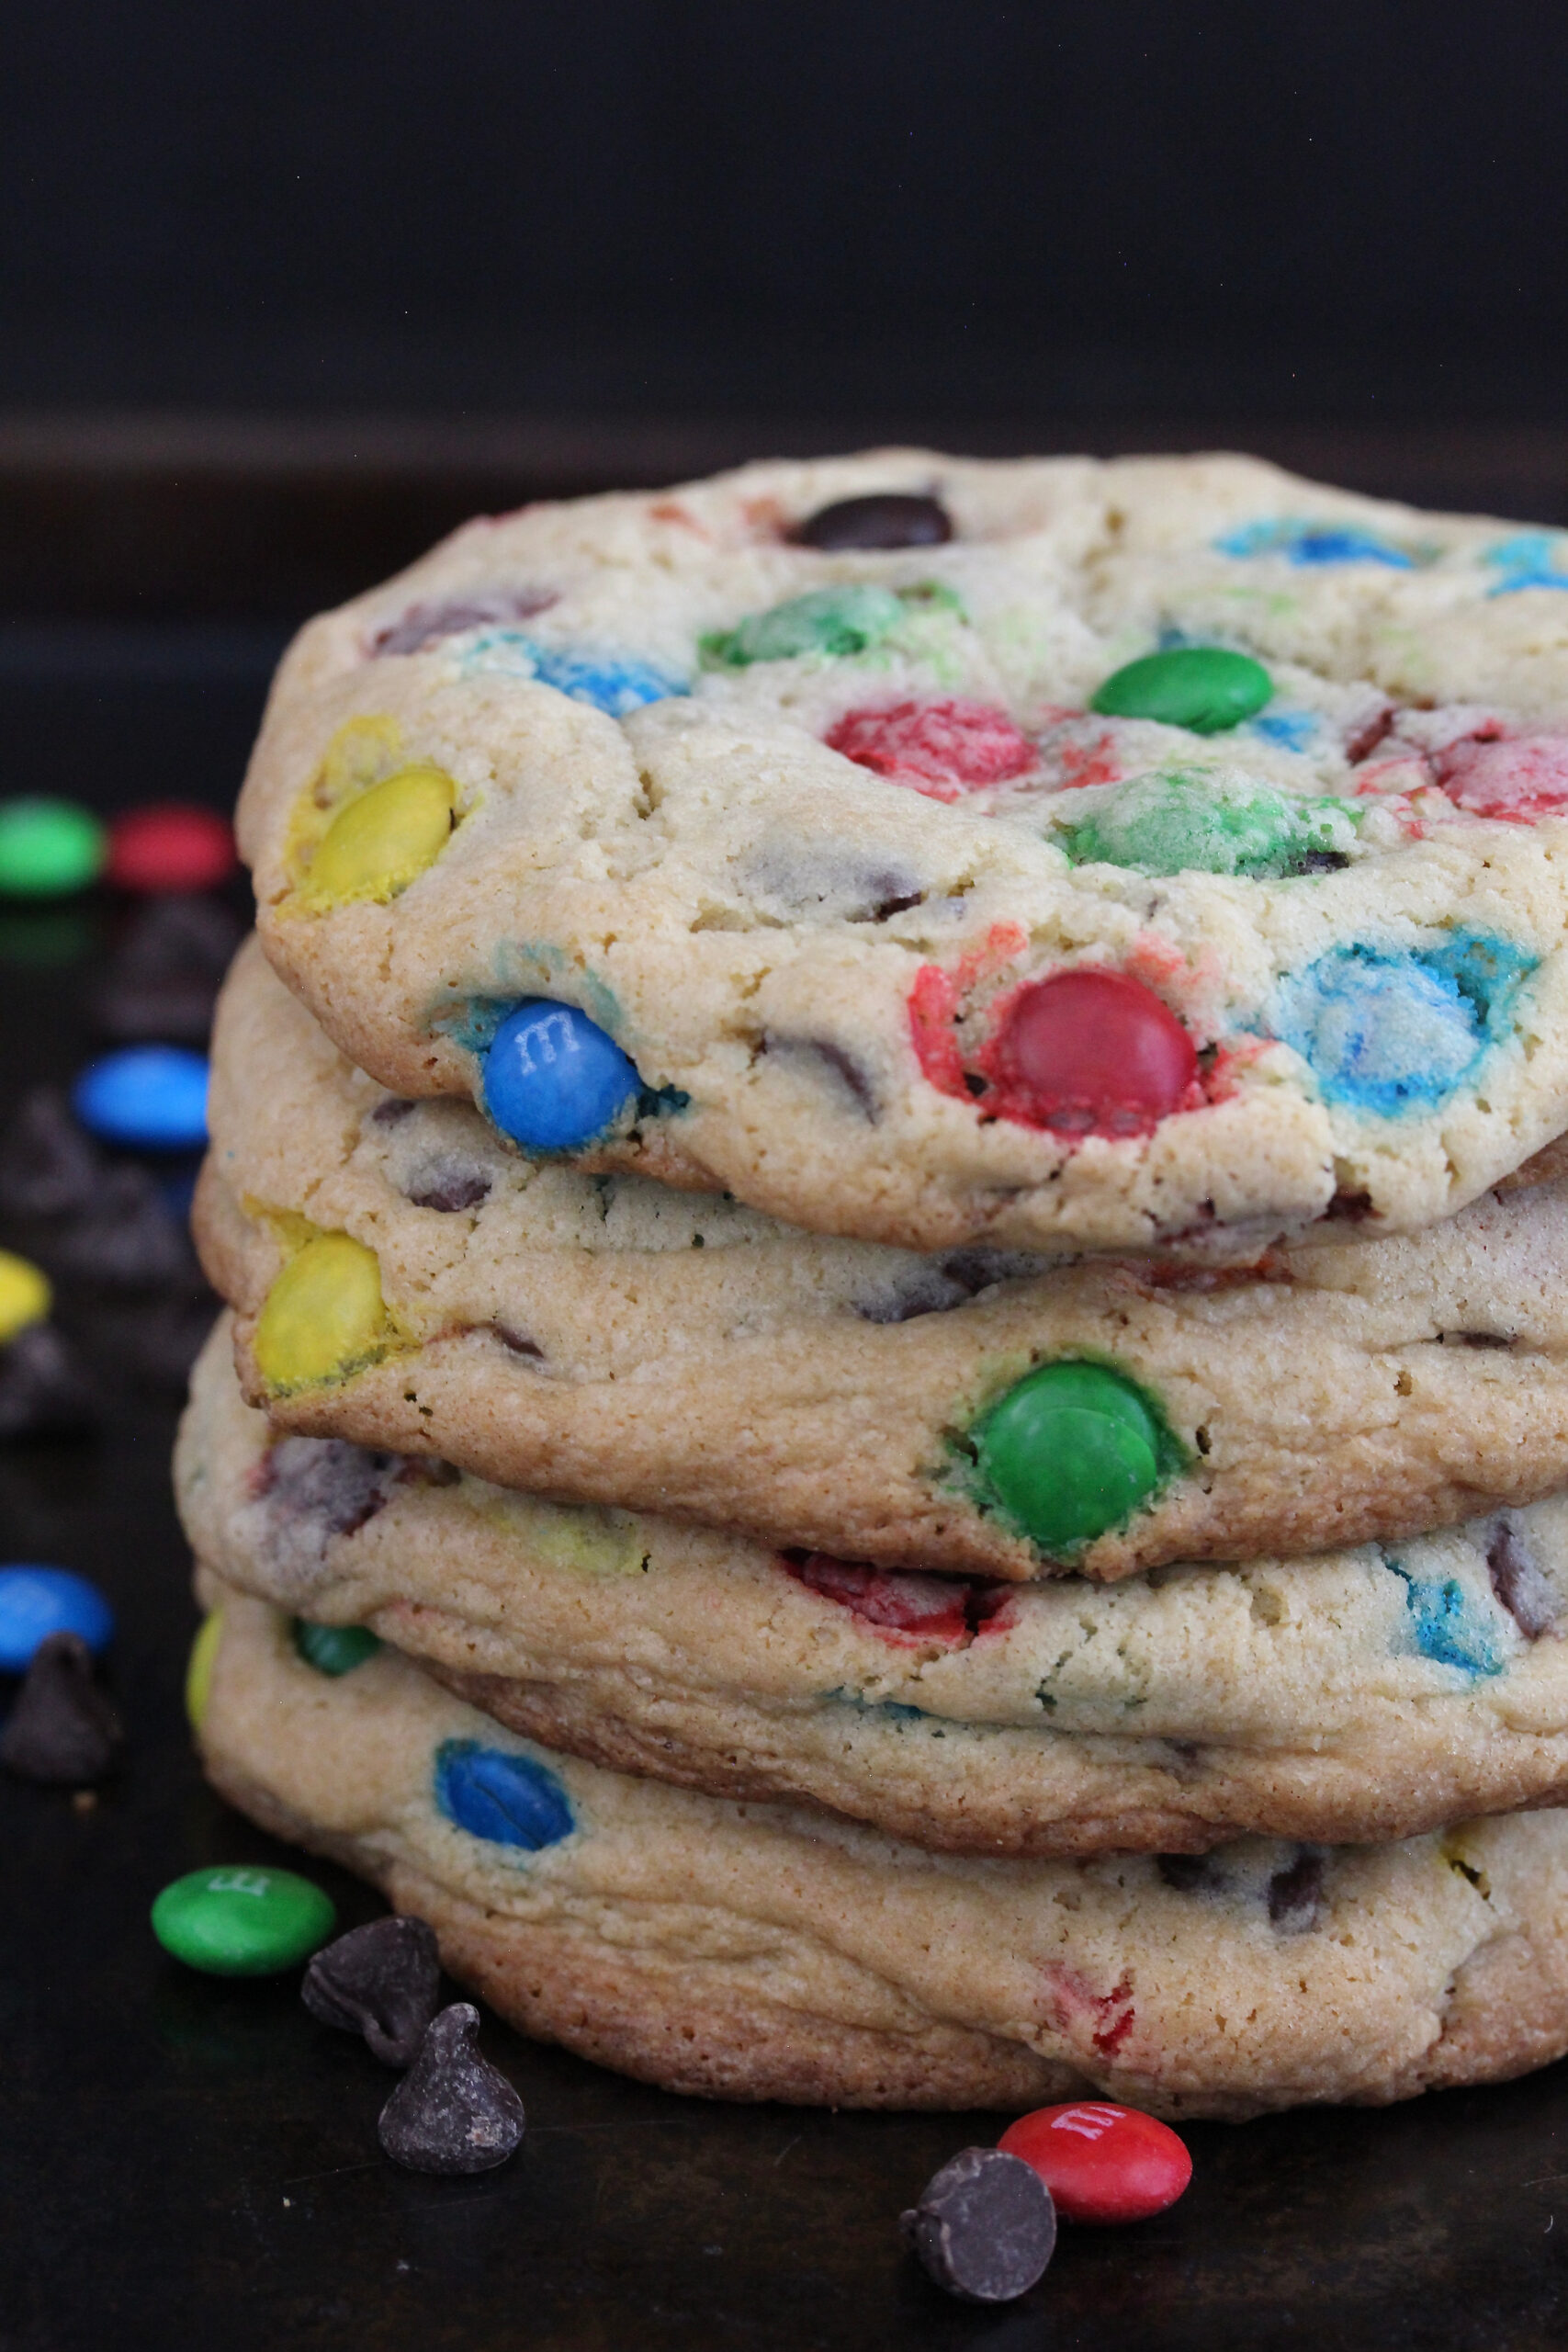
<point x="1160" y="852"/>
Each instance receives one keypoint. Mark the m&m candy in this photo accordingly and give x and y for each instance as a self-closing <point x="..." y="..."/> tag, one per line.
<point x="843" y="620"/>
<point x="241" y="1921"/>
<point x="37" y="1602"/>
<point x="884" y="518"/>
<point x="384" y="838"/>
<point x="493" y="1792"/>
<point x="150" y="1098"/>
<point x="25" y="1295"/>
<point x="1090" y="1052"/>
<point x="1072" y="1449"/>
<point x="552" y="1077"/>
<point x="198" y="1668"/>
<point x="1205" y="688"/>
<point x="334" y="1650"/>
<point x="1101" y="2162"/>
<point x="172" y="845"/>
<point x="324" y="1316"/>
<point x="943" y="749"/>
<point x="48" y="848"/>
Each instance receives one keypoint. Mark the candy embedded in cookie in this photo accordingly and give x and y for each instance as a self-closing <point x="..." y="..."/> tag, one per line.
<point x="198" y="1668"/>
<point x="882" y="519"/>
<point x="1317" y="544"/>
<point x="943" y="749"/>
<point x="613" y="683"/>
<point x="845" y="620"/>
<point x="553" y="1079"/>
<point x="382" y="841"/>
<point x="1515" y="781"/>
<point x="334" y="1650"/>
<point x="1072" y="1449"/>
<point x="1400" y="1030"/>
<point x="1088" y="1052"/>
<point x="1184" y="822"/>
<point x="496" y="1795"/>
<point x="324" y="1316"/>
<point x="1205" y="688"/>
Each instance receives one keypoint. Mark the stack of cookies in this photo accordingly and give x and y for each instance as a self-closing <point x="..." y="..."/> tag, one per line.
<point x="894" y="1426"/>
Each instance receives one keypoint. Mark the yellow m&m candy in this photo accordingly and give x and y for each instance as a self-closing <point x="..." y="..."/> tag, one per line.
<point x="324" y="1316"/>
<point x="199" y="1673"/>
<point x="383" y="840"/>
<point x="23" y="1295"/>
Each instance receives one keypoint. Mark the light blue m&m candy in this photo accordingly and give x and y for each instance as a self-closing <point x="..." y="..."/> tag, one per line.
<point x="36" y="1602"/>
<point x="553" y="1079"/>
<point x="1399" y="1030"/>
<point x="507" y="1798"/>
<point x="150" y="1098"/>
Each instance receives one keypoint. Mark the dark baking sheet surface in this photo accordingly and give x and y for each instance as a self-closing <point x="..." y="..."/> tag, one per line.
<point x="188" y="2162"/>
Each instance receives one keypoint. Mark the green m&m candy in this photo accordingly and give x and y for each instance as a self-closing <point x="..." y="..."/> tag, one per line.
<point x="48" y="848"/>
<point x="1181" y="821"/>
<point x="1202" y="687"/>
<point x="1072" y="1449"/>
<point x="243" y="1921"/>
<point x="334" y="1649"/>
<point x="850" y="619"/>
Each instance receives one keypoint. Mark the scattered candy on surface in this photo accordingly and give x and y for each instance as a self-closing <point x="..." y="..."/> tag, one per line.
<point x="553" y="1079"/>
<point x="1089" y="1052"/>
<point x="613" y="683"/>
<point x="334" y="1650"/>
<point x="1070" y="1450"/>
<point x="171" y="845"/>
<point x="47" y="1168"/>
<point x="37" y="1602"/>
<point x="984" y="2227"/>
<point x="382" y="840"/>
<point x="48" y="848"/>
<point x="164" y="978"/>
<point x="943" y="749"/>
<point x="382" y="1981"/>
<point x="324" y="1316"/>
<point x="1202" y="687"/>
<point x="243" y="1920"/>
<point x="453" y="2112"/>
<point x="148" y="1098"/>
<point x="889" y="518"/>
<point x="1399" y="1030"/>
<point x="25" y="1295"/>
<point x="198" y="1668"/>
<point x="44" y="1391"/>
<point x="1101" y="2162"/>
<point x="64" y="1730"/>
<point x="1180" y="823"/>
<point x="844" y="620"/>
<point x="129" y="1235"/>
<point x="494" y="1794"/>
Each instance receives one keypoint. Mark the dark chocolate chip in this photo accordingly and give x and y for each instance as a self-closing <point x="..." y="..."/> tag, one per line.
<point x="1295" y="1895"/>
<point x="63" y="1730"/>
<point x="383" y="1981"/>
<point x="165" y="979"/>
<point x="44" y="1391"/>
<point x="1319" y="861"/>
<point x="1474" y="1340"/>
<point x="166" y="1336"/>
<point x="1350" y="1208"/>
<point x="426" y="625"/>
<point x="1518" y="1581"/>
<point x="840" y="1061"/>
<point x="927" y="1291"/>
<point x="984" y="2227"/>
<point x="125" y="1238"/>
<point x="518" y="1342"/>
<point x="449" y="1184"/>
<point x="977" y="1269"/>
<point x="452" y="2111"/>
<point x="391" y="1110"/>
<point x="889" y="518"/>
<point x="1190" y="1874"/>
<point x="326" y="1480"/>
<point x="48" y="1166"/>
<point x="1371" y="732"/>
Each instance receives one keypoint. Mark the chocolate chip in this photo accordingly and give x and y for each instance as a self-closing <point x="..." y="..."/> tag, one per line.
<point x="453" y="2112"/>
<point x="838" y="1059"/>
<point x="1190" y="1874"/>
<point x="928" y="1291"/>
<point x="383" y="1981"/>
<point x="326" y="1482"/>
<point x="1518" y="1581"/>
<point x="1318" y="861"/>
<point x="449" y="1184"/>
<point x="1474" y="1340"/>
<point x="391" y="1110"/>
<point x="426" y="625"/>
<point x="163" y="980"/>
<point x="984" y="2227"/>
<point x="518" y="1341"/>
<point x="125" y="1237"/>
<point x="1371" y="733"/>
<point x="48" y="1167"/>
<point x="1349" y="1207"/>
<point x="63" y="1730"/>
<point x="889" y="518"/>
<point x="44" y="1391"/>
<point x="166" y="1336"/>
<point x="1295" y="1895"/>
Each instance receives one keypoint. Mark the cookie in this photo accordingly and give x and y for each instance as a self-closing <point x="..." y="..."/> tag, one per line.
<point x="753" y="1951"/>
<point x="1359" y="1696"/>
<point x="1068" y="856"/>
<point x="403" y="1280"/>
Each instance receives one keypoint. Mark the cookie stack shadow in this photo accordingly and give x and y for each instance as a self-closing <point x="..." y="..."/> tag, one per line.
<point x="784" y="1665"/>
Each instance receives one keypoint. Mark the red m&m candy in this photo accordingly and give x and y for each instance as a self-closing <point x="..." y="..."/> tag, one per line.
<point x="1101" y="2162"/>
<point x="1515" y="781"/>
<point x="171" y="845"/>
<point x="943" y="749"/>
<point x="1089" y="1052"/>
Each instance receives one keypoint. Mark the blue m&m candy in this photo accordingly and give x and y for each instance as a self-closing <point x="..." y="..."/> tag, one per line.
<point x="150" y="1098"/>
<point x="36" y="1602"/>
<point x="507" y="1798"/>
<point x="553" y="1079"/>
